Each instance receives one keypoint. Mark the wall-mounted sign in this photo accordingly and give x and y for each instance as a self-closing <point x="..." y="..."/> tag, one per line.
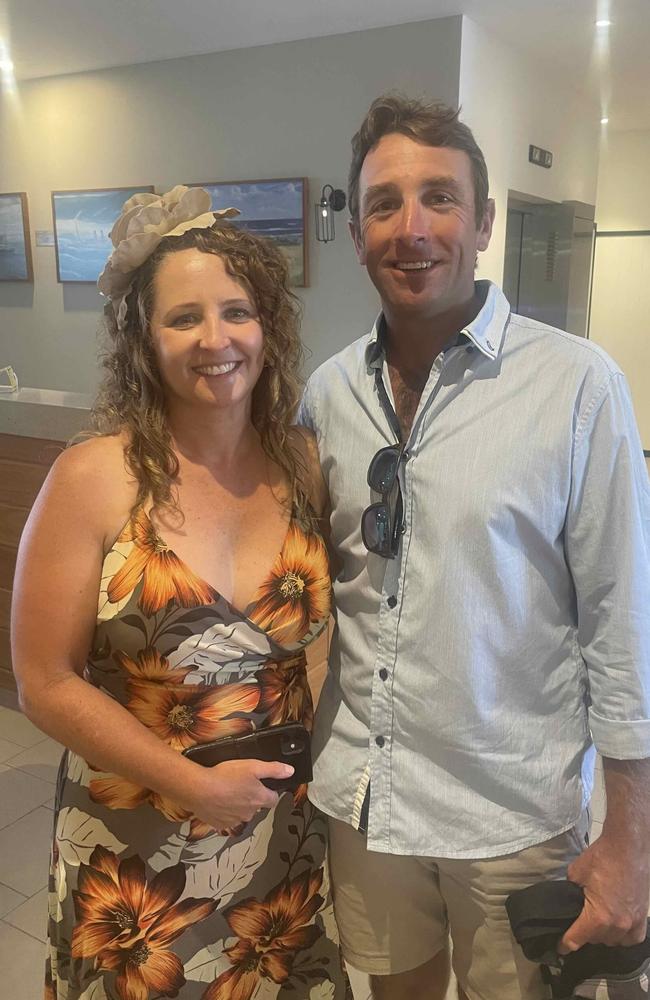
<point x="541" y="157"/>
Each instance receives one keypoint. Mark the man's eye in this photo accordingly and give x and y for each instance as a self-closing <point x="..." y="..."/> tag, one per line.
<point x="439" y="198"/>
<point x="383" y="206"/>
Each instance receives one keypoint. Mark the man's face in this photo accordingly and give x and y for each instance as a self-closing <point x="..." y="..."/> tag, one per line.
<point x="417" y="230"/>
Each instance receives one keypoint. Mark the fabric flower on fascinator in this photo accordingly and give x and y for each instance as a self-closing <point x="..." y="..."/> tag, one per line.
<point x="144" y="221"/>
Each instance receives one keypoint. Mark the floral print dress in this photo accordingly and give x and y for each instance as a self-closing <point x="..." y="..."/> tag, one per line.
<point x="147" y="901"/>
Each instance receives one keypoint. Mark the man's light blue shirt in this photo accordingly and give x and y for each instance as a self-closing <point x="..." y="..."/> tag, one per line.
<point x="471" y="677"/>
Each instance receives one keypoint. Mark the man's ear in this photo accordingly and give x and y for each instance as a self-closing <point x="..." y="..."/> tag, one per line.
<point x="357" y="239"/>
<point x="485" y="229"/>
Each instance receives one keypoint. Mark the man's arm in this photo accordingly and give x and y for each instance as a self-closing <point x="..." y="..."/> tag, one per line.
<point x="615" y="870"/>
<point x="607" y="543"/>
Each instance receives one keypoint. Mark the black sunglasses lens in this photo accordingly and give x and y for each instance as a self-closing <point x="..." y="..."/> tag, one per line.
<point x="383" y="469"/>
<point x="376" y="529"/>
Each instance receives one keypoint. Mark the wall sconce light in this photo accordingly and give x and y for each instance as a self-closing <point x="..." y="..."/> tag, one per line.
<point x="331" y="200"/>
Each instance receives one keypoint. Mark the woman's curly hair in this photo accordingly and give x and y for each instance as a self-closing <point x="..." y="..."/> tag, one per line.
<point x="132" y="396"/>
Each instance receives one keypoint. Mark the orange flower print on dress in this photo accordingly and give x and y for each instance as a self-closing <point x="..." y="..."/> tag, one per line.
<point x="151" y="666"/>
<point x="285" y="694"/>
<point x="198" y="830"/>
<point x="188" y="714"/>
<point x="115" y="792"/>
<point x="165" y="577"/>
<point x="297" y="591"/>
<point x="270" y="933"/>
<point x="126" y="924"/>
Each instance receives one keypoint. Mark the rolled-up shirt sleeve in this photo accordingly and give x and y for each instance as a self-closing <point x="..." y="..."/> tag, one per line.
<point x="607" y="544"/>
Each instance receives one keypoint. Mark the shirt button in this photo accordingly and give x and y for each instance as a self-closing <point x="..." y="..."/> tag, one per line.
<point x="383" y="673"/>
<point x="471" y="349"/>
<point x="392" y="601"/>
<point x="380" y="741"/>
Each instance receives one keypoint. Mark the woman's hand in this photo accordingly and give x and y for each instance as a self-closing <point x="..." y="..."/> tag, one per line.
<point x="232" y="793"/>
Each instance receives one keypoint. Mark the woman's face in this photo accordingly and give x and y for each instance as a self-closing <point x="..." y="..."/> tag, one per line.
<point x="206" y="332"/>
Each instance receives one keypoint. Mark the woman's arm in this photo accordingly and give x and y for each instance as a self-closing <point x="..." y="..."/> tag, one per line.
<point x="77" y="514"/>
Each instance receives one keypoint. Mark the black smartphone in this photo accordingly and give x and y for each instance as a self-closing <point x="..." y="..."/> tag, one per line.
<point x="289" y="744"/>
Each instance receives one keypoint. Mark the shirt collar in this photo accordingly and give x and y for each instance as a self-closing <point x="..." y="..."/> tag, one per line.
<point x="486" y="331"/>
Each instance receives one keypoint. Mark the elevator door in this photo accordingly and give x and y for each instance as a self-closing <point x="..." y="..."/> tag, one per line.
<point x="547" y="268"/>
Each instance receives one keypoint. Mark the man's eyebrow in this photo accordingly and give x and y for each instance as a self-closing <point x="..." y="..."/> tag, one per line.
<point x="379" y="189"/>
<point x="439" y="181"/>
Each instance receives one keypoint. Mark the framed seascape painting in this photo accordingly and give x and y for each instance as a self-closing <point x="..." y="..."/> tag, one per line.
<point x="15" y="242"/>
<point x="82" y="223"/>
<point x="275" y="208"/>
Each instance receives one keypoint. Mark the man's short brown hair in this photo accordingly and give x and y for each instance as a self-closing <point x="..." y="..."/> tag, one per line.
<point x="432" y="124"/>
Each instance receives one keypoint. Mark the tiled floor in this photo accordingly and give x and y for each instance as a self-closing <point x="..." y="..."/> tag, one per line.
<point x="28" y="766"/>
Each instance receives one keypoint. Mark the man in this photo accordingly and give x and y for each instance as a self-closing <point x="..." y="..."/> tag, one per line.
<point x="491" y="515"/>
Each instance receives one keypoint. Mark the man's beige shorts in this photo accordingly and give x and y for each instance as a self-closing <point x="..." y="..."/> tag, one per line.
<point x="396" y="912"/>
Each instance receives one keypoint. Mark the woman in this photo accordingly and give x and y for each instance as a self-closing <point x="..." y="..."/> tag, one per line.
<point x="169" y="578"/>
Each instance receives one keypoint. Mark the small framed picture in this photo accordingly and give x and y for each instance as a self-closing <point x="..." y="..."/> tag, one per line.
<point x="82" y="223"/>
<point x="273" y="208"/>
<point x="15" y="242"/>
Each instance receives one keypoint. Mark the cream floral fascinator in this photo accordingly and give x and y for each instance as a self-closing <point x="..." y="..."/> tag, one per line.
<point x="145" y="220"/>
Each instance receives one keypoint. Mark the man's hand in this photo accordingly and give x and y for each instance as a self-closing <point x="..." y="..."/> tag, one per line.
<point x="615" y="871"/>
<point x="616" y="885"/>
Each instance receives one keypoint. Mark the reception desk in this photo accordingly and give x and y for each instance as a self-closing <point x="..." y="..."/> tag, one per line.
<point x="34" y="426"/>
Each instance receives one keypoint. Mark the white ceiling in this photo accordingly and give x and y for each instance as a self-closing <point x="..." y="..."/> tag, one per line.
<point x="53" y="37"/>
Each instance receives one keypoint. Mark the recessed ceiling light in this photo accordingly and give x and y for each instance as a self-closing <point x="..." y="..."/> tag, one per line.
<point x="603" y="24"/>
<point x="603" y="121"/>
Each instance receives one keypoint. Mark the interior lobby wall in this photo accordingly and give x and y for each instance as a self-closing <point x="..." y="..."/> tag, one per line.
<point x="275" y="111"/>
<point x="510" y="100"/>
<point x="621" y="289"/>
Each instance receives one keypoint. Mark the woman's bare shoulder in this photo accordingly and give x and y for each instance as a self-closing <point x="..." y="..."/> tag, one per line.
<point x="92" y="477"/>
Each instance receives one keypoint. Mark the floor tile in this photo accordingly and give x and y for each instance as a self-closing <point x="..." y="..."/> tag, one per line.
<point x="31" y="916"/>
<point x="17" y="728"/>
<point x="24" y="852"/>
<point x="8" y="750"/>
<point x="9" y="899"/>
<point x="22" y="960"/>
<point x="19" y="794"/>
<point x="41" y="760"/>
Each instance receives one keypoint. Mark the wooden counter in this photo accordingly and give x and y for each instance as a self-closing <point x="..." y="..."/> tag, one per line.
<point x="34" y="425"/>
<point x="24" y="464"/>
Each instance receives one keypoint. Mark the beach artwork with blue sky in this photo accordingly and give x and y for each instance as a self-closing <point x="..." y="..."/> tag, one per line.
<point x="269" y="208"/>
<point x="82" y="223"/>
<point x="14" y="252"/>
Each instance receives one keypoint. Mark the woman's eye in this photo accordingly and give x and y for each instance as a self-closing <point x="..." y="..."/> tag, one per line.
<point x="185" y="321"/>
<point x="240" y="314"/>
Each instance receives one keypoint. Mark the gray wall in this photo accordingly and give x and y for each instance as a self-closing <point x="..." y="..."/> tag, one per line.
<point x="275" y="111"/>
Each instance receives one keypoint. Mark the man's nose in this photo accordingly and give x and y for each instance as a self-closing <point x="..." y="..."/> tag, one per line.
<point x="413" y="222"/>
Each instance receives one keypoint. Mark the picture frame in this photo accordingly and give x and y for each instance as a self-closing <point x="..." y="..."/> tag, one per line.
<point x="82" y="221"/>
<point x="15" y="240"/>
<point x="275" y="207"/>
